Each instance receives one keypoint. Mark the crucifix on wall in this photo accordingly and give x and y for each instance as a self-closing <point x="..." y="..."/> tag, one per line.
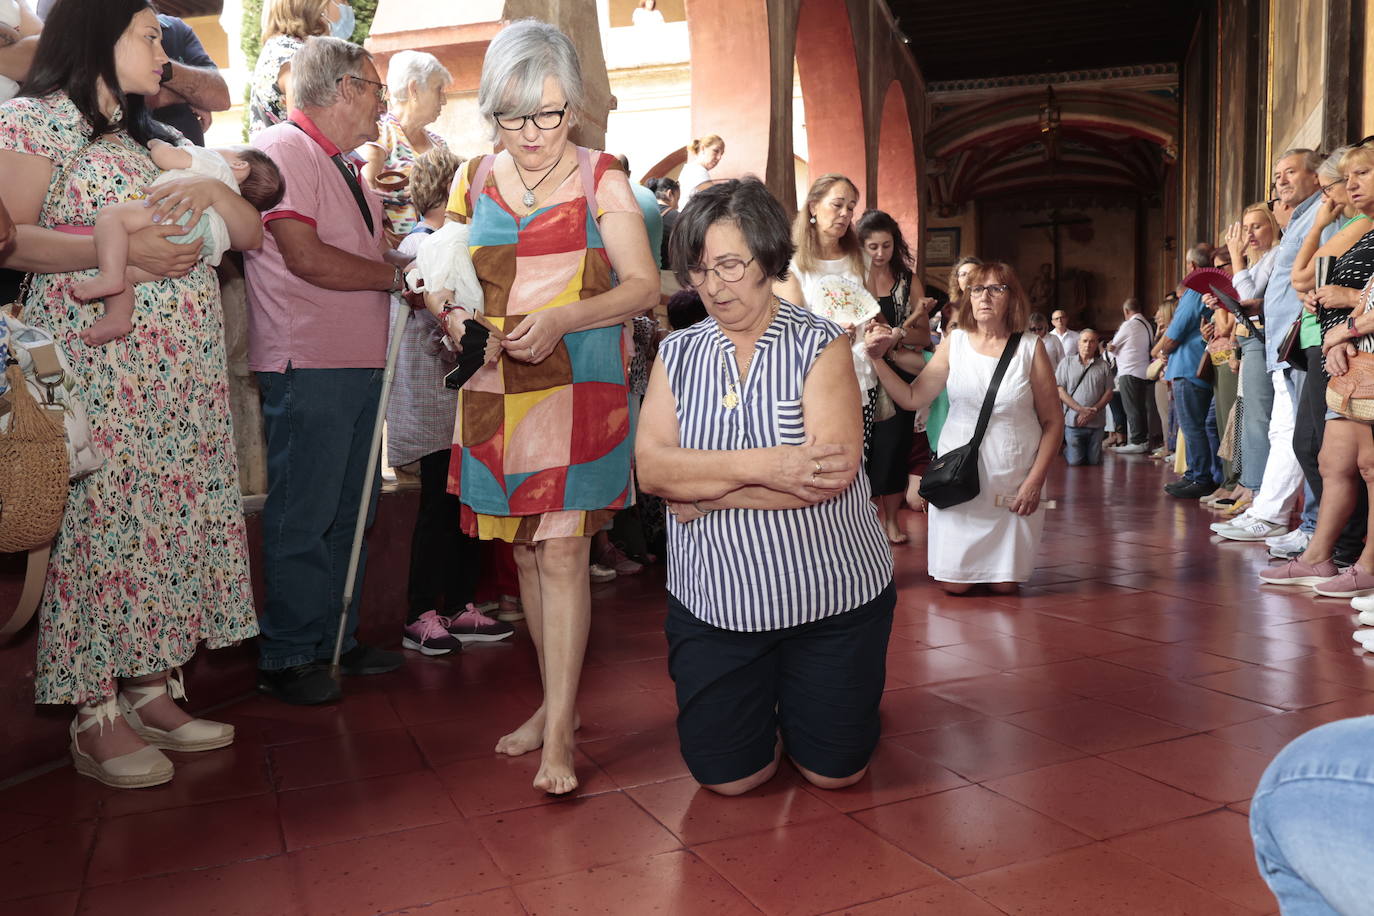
<point x="1052" y="224"/>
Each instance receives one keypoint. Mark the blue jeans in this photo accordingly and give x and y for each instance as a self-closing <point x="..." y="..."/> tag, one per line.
<point x="1310" y="821"/>
<point x="319" y="429"/>
<point x="1193" y="402"/>
<point x="1258" y="391"/>
<point x="1083" y="445"/>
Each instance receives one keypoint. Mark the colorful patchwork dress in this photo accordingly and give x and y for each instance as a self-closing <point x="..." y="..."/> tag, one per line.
<point x="545" y="451"/>
<point x="152" y="556"/>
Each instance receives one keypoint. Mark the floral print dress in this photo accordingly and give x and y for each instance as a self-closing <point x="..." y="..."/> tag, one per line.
<point x="266" y="103"/>
<point x="152" y="557"/>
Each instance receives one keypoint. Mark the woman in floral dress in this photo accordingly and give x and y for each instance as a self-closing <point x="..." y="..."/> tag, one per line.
<point x="286" y="24"/>
<point x="542" y="456"/>
<point x="151" y="559"/>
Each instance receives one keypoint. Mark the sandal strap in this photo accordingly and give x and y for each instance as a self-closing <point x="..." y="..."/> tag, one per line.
<point x="174" y="683"/>
<point x="106" y="710"/>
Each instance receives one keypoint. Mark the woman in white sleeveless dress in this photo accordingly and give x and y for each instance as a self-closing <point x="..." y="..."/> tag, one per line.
<point x="979" y="542"/>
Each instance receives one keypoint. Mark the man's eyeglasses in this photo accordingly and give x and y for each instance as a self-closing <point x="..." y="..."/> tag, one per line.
<point x="379" y="88"/>
<point x="731" y="271"/>
<point x="544" y="120"/>
<point x="993" y="289"/>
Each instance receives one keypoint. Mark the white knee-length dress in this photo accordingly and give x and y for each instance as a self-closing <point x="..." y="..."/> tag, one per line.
<point x="978" y="541"/>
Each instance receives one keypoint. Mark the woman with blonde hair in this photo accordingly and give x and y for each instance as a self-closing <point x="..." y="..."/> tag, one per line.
<point x="286" y="24"/>
<point x="703" y="154"/>
<point x="991" y="539"/>
<point x="957" y="286"/>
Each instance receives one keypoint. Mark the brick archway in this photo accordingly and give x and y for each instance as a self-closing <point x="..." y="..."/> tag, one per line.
<point x="897" y="184"/>
<point x="829" y="72"/>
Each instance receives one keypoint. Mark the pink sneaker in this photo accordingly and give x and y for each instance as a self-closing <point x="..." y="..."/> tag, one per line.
<point x="1296" y="572"/>
<point x="474" y="626"/>
<point x="1351" y="583"/>
<point x="613" y="558"/>
<point x="429" y="636"/>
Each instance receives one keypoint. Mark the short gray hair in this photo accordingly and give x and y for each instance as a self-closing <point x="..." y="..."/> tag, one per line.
<point x="1199" y="256"/>
<point x="1132" y="305"/>
<point x="317" y="68"/>
<point x="1311" y="159"/>
<point x="518" y="60"/>
<point x="406" y="67"/>
<point x="1330" y="169"/>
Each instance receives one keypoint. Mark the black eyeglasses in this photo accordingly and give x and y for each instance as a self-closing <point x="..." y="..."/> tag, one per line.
<point x="544" y="120"/>
<point x="993" y="289"/>
<point x="1326" y="188"/>
<point x="731" y="271"/>
<point x="380" y="88"/>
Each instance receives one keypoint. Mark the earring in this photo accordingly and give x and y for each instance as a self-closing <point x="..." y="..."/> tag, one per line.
<point x="813" y="220"/>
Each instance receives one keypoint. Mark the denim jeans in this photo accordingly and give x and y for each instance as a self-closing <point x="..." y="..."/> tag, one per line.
<point x="1193" y="402"/>
<point x="1258" y="391"/>
<point x="319" y="429"/>
<point x="1309" y="821"/>
<point x="1083" y="444"/>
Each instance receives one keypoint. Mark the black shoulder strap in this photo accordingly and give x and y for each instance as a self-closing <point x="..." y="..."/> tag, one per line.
<point x="991" y="397"/>
<point x="352" y="181"/>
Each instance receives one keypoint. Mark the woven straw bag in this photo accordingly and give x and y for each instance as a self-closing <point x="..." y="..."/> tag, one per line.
<point x="34" y="472"/>
<point x="1352" y="395"/>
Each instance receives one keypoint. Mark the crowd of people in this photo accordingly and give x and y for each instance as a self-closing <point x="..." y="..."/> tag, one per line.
<point x="774" y="423"/>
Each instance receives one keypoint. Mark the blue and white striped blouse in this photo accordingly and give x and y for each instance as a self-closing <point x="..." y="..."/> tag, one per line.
<point x="765" y="569"/>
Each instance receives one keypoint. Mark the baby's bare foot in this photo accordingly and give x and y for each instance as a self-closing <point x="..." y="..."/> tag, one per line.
<point x="106" y="329"/>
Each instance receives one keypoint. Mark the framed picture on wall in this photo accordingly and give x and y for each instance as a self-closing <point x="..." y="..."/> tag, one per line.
<point x="942" y="246"/>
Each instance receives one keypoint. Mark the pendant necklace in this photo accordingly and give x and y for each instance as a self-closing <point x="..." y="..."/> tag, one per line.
<point x="528" y="199"/>
<point x="730" y="399"/>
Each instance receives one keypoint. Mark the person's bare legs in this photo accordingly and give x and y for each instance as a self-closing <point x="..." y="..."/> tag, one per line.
<point x="890" y="504"/>
<point x="1366" y="465"/>
<point x="554" y="572"/>
<point x="914" y="501"/>
<point x="1339" y="464"/>
<point x="566" y="588"/>
<point x="830" y="782"/>
<point x="162" y="711"/>
<point x="530" y="735"/>
<point x="113" y="226"/>
<point x="956" y="588"/>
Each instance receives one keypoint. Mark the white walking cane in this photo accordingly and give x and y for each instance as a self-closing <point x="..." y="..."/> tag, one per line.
<point x="393" y="350"/>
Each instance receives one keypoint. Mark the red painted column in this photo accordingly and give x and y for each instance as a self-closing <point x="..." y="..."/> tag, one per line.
<point x="829" y="74"/>
<point x="731" y="81"/>
<point x="897" y="187"/>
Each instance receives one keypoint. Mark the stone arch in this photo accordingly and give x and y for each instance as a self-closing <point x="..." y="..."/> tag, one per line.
<point x="829" y="71"/>
<point x="897" y="187"/>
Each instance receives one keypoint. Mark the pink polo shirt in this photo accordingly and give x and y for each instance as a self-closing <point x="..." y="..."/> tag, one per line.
<point x="290" y="320"/>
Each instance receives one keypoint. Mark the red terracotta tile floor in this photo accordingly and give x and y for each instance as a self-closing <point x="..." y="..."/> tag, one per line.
<point x="1088" y="746"/>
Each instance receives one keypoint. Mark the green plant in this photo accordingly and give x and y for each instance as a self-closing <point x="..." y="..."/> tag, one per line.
<point x="364" y="10"/>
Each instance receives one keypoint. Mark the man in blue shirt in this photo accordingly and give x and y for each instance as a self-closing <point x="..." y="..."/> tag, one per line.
<point x="1184" y="344"/>
<point x="192" y="86"/>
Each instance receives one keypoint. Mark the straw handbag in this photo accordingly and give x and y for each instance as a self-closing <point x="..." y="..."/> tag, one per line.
<point x="45" y="437"/>
<point x="1352" y="395"/>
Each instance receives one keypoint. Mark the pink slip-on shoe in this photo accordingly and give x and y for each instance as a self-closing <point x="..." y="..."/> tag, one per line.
<point x="1296" y="572"/>
<point x="1352" y="582"/>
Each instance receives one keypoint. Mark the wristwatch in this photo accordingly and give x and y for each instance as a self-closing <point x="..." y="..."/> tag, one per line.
<point x="1350" y="326"/>
<point x="398" y="281"/>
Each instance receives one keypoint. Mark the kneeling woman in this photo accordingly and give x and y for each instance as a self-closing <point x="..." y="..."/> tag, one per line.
<point x="779" y="575"/>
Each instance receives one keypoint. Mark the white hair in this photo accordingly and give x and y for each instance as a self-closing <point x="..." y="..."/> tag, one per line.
<point x="318" y="67"/>
<point x="518" y="60"/>
<point x="1330" y="169"/>
<point x="1311" y="159"/>
<point x="406" y="67"/>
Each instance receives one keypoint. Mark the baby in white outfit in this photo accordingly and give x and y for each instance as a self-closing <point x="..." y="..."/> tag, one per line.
<point x="242" y="169"/>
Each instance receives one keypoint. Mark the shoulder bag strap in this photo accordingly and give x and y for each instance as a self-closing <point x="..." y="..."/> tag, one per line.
<point x="55" y="187"/>
<point x="990" y="398"/>
<point x="479" y="181"/>
<point x="352" y="181"/>
<point x="588" y="173"/>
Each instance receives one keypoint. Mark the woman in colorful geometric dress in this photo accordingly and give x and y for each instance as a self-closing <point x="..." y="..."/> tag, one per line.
<point x="543" y="442"/>
<point x="151" y="559"/>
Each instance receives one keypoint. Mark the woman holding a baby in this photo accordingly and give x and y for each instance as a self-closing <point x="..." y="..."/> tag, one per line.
<point x="151" y="559"/>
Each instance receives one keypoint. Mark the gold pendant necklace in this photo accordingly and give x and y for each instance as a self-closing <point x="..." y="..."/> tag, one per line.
<point x="730" y="399"/>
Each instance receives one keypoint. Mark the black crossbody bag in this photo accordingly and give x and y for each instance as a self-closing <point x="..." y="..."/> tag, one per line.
<point x="952" y="478"/>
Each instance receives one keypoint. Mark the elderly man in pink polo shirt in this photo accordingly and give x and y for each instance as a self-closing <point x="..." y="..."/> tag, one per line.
<point x="318" y="294"/>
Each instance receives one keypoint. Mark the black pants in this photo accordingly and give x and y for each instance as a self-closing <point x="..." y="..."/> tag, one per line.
<point x="1309" y="426"/>
<point x="1137" y="397"/>
<point x="444" y="562"/>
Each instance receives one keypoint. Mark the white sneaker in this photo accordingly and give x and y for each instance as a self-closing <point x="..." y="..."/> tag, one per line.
<point x="1256" y="529"/>
<point x="1139" y="448"/>
<point x="1365" y="618"/>
<point x="1366" y="639"/>
<point x="1295" y="539"/>
<point x="1239" y="521"/>
<point x="1365" y="605"/>
<point x="601" y="573"/>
